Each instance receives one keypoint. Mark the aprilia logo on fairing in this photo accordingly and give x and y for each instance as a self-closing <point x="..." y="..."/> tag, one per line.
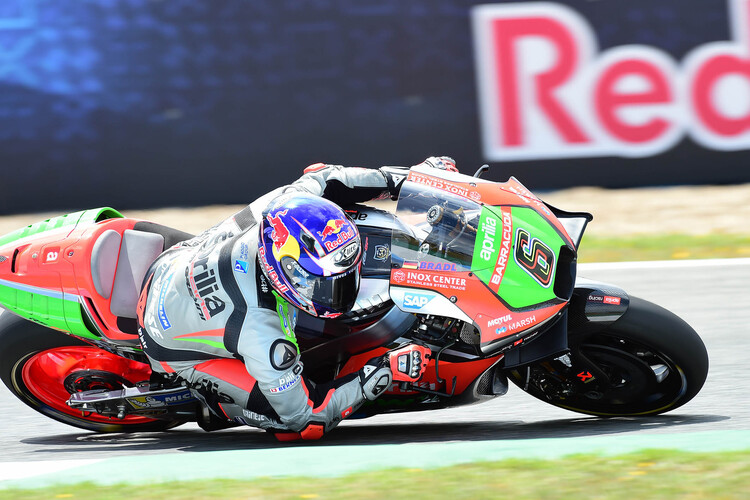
<point x="488" y="226"/>
<point x="547" y="92"/>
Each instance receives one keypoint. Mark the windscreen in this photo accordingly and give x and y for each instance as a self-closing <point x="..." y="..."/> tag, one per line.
<point x="443" y="229"/>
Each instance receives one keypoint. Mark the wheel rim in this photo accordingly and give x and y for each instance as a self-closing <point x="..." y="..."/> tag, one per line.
<point x="49" y="377"/>
<point x="632" y="379"/>
<point x="641" y="380"/>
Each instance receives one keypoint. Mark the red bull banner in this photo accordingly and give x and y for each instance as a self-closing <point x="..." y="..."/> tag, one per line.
<point x="547" y="91"/>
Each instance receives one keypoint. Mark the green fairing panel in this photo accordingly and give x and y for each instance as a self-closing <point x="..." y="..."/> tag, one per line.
<point x="72" y="220"/>
<point x="58" y="312"/>
<point x="531" y="236"/>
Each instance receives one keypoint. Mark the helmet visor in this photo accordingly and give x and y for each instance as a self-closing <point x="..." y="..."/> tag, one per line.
<point x="338" y="292"/>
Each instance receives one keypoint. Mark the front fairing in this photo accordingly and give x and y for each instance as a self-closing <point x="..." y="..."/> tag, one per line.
<point x="490" y="254"/>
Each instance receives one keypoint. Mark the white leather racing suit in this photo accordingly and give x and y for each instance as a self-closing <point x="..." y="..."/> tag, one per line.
<point x="207" y="314"/>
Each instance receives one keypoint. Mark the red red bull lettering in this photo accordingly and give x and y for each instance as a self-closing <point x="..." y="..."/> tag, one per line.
<point x="281" y="287"/>
<point x="343" y="237"/>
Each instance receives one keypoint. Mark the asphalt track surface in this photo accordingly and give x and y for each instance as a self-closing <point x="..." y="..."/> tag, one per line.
<point x="713" y="296"/>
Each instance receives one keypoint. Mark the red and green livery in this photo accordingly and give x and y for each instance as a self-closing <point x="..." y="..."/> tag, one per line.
<point x="480" y="273"/>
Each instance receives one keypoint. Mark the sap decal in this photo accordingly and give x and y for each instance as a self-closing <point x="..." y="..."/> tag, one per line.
<point x="416" y="300"/>
<point x="547" y="92"/>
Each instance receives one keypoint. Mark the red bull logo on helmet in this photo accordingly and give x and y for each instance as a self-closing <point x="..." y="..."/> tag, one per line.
<point x="343" y="236"/>
<point x="280" y="233"/>
<point x="284" y="244"/>
<point x="332" y="227"/>
<point x="339" y="228"/>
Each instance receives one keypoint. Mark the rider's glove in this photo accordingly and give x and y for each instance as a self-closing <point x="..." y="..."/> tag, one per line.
<point x="408" y="363"/>
<point x="405" y="364"/>
<point x="441" y="163"/>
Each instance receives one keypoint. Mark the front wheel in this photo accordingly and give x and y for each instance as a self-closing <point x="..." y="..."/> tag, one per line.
<point x="647" y="362"/>
<point x="43" y="367"/>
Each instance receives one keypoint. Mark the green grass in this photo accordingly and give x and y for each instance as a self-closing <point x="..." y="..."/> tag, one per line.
<point x="664" y="247"/>
<point x="657" y="474"/>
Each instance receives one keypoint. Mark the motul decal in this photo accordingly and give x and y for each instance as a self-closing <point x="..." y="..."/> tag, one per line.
<point x="547" y="92"/>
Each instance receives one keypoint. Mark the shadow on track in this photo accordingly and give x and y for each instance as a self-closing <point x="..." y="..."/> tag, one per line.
<point x="241" y="438"/>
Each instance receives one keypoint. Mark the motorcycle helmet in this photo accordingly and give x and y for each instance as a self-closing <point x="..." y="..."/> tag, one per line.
<point x="311" y="254"/>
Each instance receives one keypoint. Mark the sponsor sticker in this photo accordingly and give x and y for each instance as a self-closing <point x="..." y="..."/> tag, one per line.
<point x="382" y="252"/>
<point x="240" y="266"/>
<point x="286" y="383"/>
<point x="444" y="185"/>
<point x="438" y="266"/>
<point x="278" y="285"/>
<point x="499" y="321"/>
<point x="416" y="300"/>
<point x="502" y="256"/>
<point x="332" y="227"/>
<point x="430" y="279"/>
<point x="399" y="276"/>
<point x="161" y="311"/>
<point x="51" y="254"/>
<point x="202" y="283"/>
<point x="517" y="324"/>
<point x="283" y="354"/>
<point x="605" y="299"/>
<point x="279" y="233"/>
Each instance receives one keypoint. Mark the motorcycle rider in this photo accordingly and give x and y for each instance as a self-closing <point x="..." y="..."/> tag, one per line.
<point x="219" y="310"/>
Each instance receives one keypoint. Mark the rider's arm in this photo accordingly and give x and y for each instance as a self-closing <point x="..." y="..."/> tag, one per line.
<point x="346" y="185"/>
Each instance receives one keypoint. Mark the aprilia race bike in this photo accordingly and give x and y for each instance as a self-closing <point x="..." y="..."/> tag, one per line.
<point x="482" y="273"/>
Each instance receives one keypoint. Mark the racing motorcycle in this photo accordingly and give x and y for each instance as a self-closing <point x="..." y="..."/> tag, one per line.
<point x="482" y="273"/>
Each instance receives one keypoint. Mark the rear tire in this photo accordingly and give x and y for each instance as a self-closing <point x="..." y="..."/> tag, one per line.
<point x="648" y="362"/>
<point x="22" y="342"/>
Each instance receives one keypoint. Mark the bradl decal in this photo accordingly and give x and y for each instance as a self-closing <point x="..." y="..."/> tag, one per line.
<point x="547" y="92"/>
